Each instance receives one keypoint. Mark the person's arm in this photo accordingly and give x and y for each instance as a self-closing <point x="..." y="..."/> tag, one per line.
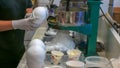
<point x="5" y="25"/>
<point x="29" y="10"/>
<point x="29" y="7"/>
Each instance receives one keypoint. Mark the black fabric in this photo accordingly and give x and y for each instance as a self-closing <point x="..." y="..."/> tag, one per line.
<point x="12" y="41"/>
<point x="8" y="65"/>
<point x="13" y="9"/>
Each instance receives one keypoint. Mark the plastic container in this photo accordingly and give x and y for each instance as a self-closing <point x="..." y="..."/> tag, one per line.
<point x="115" y="62"/>
<point x="97" y="61"/>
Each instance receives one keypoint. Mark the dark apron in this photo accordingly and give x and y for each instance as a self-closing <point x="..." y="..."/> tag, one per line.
<point x="12" y="41"/>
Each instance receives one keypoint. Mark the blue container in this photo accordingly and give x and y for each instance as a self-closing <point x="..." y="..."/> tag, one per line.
<point x="79" y="19"/>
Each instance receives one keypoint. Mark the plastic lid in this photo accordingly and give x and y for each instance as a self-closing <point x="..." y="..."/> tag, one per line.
<point x="96" y="60"/>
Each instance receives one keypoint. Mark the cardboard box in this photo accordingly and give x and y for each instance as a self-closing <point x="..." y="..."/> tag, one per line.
<point x="116" y="14"/>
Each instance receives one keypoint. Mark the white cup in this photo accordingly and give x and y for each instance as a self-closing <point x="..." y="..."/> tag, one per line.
<point x="74" y="64"/>
<point x="74" y="54"/>
<point x="56" y="56"/>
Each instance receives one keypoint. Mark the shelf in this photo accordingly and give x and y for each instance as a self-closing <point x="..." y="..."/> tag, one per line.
<point x="84" y="28"/>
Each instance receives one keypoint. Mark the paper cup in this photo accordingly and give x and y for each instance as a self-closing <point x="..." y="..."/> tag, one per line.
<point x="74" y="54"/>
<point x="56" y="56"/>
<point x="74" y="64"/>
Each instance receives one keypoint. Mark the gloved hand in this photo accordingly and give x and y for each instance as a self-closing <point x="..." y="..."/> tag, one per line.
<point x="25" y="24"/>
<point x="38" y="17"/>
<point x="28" y="15"/>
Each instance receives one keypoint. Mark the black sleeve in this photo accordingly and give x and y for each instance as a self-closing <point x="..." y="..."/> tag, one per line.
<point x="29" y="4"/>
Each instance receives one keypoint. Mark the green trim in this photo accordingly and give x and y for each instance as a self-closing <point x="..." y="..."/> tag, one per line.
<point x="94" y="15"/>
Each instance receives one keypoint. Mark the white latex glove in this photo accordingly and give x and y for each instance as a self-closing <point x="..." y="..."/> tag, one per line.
<point x="38" y="16"/>
<point x="25" y="24"/>
<point x="28" y="15"/>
